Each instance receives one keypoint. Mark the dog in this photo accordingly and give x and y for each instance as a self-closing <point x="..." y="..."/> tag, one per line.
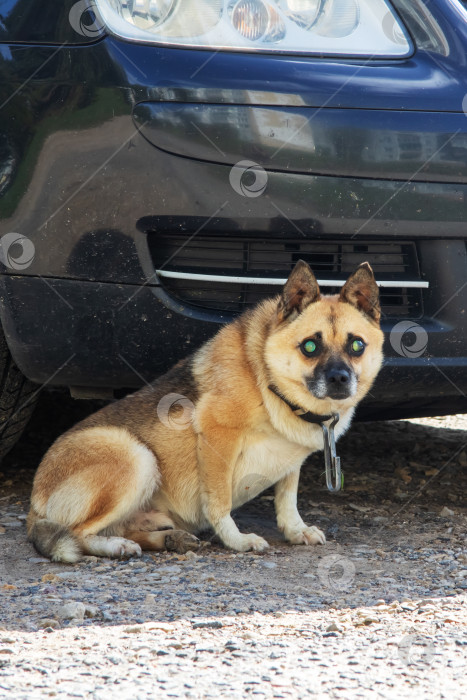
<point x="153" y="469"/>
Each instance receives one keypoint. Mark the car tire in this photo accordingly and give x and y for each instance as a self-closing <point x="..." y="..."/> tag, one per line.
<point x="18" y="398"/>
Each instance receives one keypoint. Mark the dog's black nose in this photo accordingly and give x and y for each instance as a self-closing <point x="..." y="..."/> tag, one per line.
<point x="338" y="375"/>
<point x="338" y="380"/>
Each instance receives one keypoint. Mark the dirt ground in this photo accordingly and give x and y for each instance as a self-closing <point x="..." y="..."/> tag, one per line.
<point x="379" y="611"/>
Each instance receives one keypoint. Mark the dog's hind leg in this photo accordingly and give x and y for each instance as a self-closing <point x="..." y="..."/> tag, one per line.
<point x="88" y="485"/>
<point x="150" y="520"/>
<point x="155" y="530"/>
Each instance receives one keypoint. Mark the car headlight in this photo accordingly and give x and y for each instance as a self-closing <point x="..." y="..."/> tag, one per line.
<point x="332" y="27"/>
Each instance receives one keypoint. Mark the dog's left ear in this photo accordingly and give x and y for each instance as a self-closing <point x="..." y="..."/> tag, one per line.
<point x="361" y="291"/>
<point x="300" y="290"/>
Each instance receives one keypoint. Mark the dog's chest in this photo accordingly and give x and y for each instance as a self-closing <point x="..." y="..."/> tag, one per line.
<point x="265" y="459"/>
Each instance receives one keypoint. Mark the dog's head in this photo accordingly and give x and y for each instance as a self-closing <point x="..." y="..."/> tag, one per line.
<point x="324" y="352"/>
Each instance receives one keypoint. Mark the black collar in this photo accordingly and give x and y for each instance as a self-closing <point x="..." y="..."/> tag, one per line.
<point x="300" y="412"/>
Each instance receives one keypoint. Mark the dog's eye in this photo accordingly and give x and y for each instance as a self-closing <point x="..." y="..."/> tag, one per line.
<point x="308" y="347"/>
<point x="357" y="346"/>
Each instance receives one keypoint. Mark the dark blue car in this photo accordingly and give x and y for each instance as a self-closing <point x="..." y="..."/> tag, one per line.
<point x="164" y="163"/>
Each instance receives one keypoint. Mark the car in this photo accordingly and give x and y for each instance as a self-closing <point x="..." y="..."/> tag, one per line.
<point x="166" y="163"/>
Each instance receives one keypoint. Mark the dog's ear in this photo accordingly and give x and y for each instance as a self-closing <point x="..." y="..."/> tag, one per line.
<point x="300" y="290"/>
<point x="361" y="291"/>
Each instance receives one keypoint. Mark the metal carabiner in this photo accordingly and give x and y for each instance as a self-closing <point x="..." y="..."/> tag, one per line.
<point x="331" y="461"/>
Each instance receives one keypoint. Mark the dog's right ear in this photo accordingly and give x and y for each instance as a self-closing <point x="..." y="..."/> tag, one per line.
<point x="300" y="290"/>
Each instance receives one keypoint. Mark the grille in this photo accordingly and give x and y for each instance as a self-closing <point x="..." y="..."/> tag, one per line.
<point x="392" y="262"/>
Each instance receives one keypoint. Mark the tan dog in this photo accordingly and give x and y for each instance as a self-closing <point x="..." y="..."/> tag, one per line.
<point x="138" y="475"/>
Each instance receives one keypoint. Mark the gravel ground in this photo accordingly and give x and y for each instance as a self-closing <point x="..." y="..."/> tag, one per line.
<point x="379" y="611"/>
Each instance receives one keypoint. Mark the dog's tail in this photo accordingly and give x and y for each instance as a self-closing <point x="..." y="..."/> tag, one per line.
<point x="53" y="540"/>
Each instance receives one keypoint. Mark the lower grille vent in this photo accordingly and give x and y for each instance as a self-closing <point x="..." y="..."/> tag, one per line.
<point x="231" y="274"/>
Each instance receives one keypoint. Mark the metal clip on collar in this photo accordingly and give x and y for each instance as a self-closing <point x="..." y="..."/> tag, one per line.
<point x="331" y="461"/>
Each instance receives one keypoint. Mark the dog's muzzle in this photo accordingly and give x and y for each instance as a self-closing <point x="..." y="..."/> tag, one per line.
<point x="336" y="380"/>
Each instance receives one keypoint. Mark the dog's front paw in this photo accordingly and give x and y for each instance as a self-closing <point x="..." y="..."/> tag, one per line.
<point x="251" y="542"/>
<point x="306" y="535"/>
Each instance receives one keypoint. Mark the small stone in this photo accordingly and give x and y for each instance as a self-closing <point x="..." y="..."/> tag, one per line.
<point x="72" y="611"/>
<point x="91" y="611"/>
<point x="49" y="622"/>
<point x="446" y="512"/>
<point x="359" y="509"/>
<point x="69" y="574"/>
<point x="407" y="607"/>
<point x="209" y="624"/>
<point x="190" y="555"/>
<point x="269" y="564"/>
<point x="38" y="560"/>
<point x="332" y="628"/>
<point x="162" y="627"/>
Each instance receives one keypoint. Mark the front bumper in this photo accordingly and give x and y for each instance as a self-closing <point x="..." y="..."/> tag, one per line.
<point x="89" y="334"/>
